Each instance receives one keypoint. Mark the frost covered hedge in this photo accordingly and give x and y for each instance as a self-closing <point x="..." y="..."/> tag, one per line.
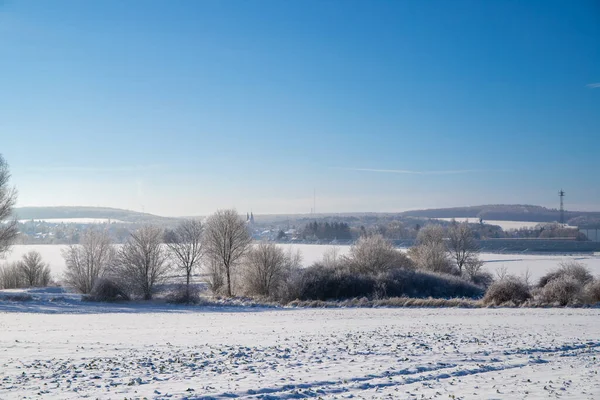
<point x="322" y="283"/>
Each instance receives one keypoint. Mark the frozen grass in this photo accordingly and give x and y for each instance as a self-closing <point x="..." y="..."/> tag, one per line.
<point x="389" y="302"/>
<point x="310" y="353"/>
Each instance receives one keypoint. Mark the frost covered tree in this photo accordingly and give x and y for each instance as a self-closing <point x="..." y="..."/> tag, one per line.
<point x="430" y="252"/>
<point x="186" y="248"/>
<point x="142" y="261"/>
<point x="8" y="198"/>
<point x="35" y="272"/>
<point x="463" y="248"/>
<point x="226" y="241"/>
<point x="88" y="261"/>
<point x="373" y="255"/>
<point x="430" y="235"/>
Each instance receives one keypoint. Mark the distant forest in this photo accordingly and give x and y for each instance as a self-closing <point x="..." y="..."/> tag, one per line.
<point x="328" y="231"/>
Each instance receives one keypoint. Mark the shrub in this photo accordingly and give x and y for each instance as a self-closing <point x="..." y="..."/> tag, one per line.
<point x="185" y="294"/>
<point x="508" y="290"/>
<point x="573" y="269"/>
<point x="16" y="297"/>
<point x="320" y="283"/>
<point x="481" y="278"/>
<point x="563" y="291"/>
<point x="107" y="290"/>
<point x="592" y="292"/>
<point x="422" y="284"/>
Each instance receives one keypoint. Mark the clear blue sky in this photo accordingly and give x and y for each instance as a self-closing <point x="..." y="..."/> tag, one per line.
<point x="183" y="107"/>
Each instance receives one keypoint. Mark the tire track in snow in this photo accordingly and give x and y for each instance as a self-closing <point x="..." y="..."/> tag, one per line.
<point x="421" y="374"/>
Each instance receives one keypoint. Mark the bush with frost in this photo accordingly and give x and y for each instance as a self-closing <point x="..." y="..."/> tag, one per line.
<point x="510" y="290"/>
<point x="572" y="269"/>
<point x="564" y="290"/>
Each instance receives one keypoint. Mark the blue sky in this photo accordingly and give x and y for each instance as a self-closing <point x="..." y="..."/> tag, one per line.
<point x="183" y="107"/>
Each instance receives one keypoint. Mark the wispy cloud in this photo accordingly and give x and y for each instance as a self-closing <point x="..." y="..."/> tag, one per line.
<point x="96" y="169"/>
<point x="414" y="172"/>
<point x="593" y="85"/>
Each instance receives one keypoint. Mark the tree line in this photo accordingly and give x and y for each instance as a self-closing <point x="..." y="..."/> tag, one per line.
<point x="327" y="231"/>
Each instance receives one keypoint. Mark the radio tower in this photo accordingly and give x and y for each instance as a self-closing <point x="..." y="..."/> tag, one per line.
<point x="561" y="194"/>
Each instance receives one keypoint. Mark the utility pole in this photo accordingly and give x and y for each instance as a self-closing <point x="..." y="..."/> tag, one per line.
<point x="561" y="194"/>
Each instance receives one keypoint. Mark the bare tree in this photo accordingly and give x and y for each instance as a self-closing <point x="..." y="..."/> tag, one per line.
<point x="8" y="198"/>
<point x="502" y="273"/>
<point x="35" y="272"/>
<point x="141" y="262"/>
<point x="266" y="267"/>
<point x="226" y="241"/>
<point x="215" y="278"/>
<point x="186" y="248"/>
<point x="463" y="248"/>
<point x="331" y="257"/>
<point x="374" y="254"/>
<point x="88" y="261"/>
<point x="11" y="276"/>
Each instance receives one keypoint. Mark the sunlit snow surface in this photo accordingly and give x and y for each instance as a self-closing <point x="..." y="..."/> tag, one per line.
<point x="516" y="264"/>
<point x="105" y="351"/>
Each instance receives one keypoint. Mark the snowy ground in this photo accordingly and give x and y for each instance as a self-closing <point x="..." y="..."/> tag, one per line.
<point x="537" y="264"/>
<point x="199" y="353"/>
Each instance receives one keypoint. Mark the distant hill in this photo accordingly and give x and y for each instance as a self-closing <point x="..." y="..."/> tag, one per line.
<point x="86" y="212"/>
<point x="508" y="212"/>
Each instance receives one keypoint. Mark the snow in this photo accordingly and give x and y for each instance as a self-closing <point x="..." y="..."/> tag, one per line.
<point x="83" y="221"/>
<point x="212" y="353"/>
<point x="518" y="264"/>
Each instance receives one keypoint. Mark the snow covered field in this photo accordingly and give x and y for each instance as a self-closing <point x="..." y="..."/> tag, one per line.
<point x="516" y="264"/>
<point x="292" y="353"/>
<point x="81" y="221"/>
<point x="505" y="225"/>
